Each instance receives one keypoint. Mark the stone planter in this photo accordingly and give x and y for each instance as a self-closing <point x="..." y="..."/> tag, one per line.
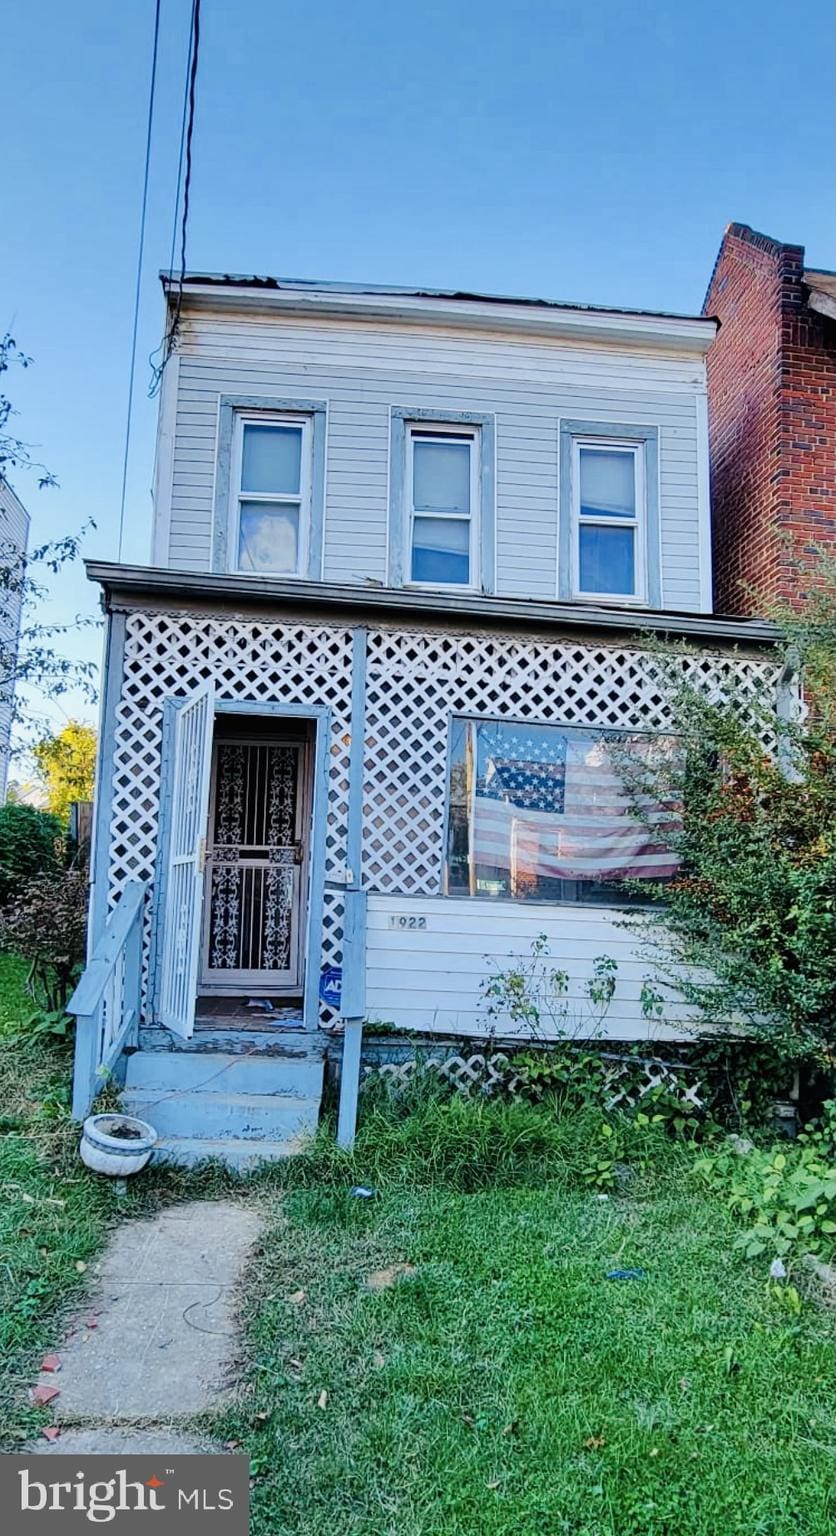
<point x="116" y="1144"/>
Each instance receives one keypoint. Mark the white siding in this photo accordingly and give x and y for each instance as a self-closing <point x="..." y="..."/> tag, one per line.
<point x="430" y="979"/>
<point x="363" y="368"/>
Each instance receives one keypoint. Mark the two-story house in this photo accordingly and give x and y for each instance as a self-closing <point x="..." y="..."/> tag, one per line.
<point x="355" y="715"/>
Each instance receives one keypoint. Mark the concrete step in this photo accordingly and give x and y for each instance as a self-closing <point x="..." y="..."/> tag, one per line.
<point x="233" y="1040"/>
<point x="240" y="1156"/>
<point x="224" y="1072"/>
<point x="214" y="1116"/>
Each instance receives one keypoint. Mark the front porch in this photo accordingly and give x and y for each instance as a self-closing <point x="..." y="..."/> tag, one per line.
<point x="210" y="902"/>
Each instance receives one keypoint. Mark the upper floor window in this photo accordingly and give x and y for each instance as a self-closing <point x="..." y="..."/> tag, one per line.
<point x="442" y="481"/>
<point x="610" y="546"/>
<point x="608" y="520"/>
<point x="270" y="512"/>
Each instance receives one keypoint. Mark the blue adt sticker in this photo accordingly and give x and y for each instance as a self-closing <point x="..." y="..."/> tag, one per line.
<point x="331" y="986"/>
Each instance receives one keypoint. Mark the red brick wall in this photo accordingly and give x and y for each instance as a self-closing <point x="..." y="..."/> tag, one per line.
<point x="772" y="423"/>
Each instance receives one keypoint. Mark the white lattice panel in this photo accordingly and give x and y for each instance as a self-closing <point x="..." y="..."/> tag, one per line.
<point x="169" y="655"/>
<point x="416" y="680"/>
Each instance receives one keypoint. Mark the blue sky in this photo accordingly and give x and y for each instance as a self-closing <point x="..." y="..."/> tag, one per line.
<point x="589" y="152"/>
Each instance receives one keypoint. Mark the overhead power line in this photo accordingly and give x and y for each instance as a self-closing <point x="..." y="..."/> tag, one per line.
<point x="186" y="135"/>
<point x="139" y="261"/>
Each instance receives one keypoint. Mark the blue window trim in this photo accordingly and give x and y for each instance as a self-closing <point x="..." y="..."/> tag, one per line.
<point x="401" y="417"/>
<point x="320" y="714"/>
<point x="626" y="432"/>
<point x="229" y="407"/>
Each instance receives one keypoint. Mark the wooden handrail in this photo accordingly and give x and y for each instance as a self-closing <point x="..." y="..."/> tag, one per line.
<point x="106" y="1001"/>
<point x="90" y="990"/>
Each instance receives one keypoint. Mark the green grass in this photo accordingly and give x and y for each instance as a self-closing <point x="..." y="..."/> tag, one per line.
<point x="504" y="1386"/>
<point x="507" y="1387"/>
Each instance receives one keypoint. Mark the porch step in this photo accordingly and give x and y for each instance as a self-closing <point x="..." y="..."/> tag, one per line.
<point x="266" y="1040"/>
<point x="210" y="1116"/>
<point x="240" y="1156"/>
<point x="199" y="1072"/>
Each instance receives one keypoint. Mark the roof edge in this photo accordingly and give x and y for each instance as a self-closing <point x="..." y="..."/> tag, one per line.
<point x="208" y="589"/>
<point x="692" y="332"/>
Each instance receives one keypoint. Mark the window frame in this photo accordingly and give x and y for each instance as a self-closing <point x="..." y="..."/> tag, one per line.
<point x="468" y="718"/>
<point x="428" y="431"/>
<point x="609" y="433"/>
<point x="223" y="555"/>
<point x="265" y="418"/>
<point x="637" y="523"/>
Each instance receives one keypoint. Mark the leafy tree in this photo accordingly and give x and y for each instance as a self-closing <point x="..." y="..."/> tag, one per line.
<point x="66" y="764"/>
<point x="31" y="844"/>
<point x="36" y="657"/>
<point x="747" y="932"/>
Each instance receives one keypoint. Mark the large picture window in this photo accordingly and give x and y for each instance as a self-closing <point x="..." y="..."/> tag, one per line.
<point x="541" y="813"/>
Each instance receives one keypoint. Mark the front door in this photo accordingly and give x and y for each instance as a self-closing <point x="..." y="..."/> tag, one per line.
<point x="255" y="867"/>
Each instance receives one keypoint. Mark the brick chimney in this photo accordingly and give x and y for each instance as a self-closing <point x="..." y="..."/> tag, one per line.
<point x="772" y="419"/>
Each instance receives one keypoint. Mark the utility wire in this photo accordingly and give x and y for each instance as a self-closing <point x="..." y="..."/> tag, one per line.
<point x="160" y="354"/>
<point x="139" y="260"/>
<point x="186" y="94"/>
<point x="170" y="339"/>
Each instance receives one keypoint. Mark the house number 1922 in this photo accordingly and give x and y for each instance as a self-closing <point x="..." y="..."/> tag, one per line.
<point x="405" y="921"/>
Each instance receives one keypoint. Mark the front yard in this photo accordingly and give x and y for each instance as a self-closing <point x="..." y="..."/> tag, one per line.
<point x="504" y="1385"/>
<point x="449" y="1356"/>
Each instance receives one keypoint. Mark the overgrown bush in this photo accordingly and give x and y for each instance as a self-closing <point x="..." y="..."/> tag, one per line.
<point x="46" y="923"/>
<point x="784" y="1195"/>
<point x="747" y="933"/>
<point x="31" y="843"/>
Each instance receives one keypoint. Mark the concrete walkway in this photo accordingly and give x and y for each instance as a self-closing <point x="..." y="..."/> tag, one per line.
<point x="158" y="1339"/>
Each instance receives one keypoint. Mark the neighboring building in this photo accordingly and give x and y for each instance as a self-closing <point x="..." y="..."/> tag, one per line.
<point x="356" y="713"/>
<point x="14" y="540"/>
<point x="772" y="412"/>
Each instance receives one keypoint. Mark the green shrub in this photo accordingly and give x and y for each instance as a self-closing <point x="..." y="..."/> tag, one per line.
<point x="31" y="843"/>
<point x="46" y="924"/>
<point x="784" y="1195"/>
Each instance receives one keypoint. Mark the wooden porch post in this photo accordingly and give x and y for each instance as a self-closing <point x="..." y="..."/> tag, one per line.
<point x="353" y="1005"/>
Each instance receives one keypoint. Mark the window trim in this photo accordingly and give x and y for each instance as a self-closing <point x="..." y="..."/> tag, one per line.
<point x="644" y="441"/>
<point x="637" y="522"/>
<point x="483" y="512"/>
<point x="244" y="419"/>
<point x="233" y="411"/>
<point x="418" y="431"/>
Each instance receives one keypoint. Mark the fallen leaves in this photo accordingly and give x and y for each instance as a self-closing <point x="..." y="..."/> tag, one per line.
<point x="322" y="1400"/>
<point x="50" y="1432"/>
<point x="595" y="1443"/>
<point x="384" y="1279"/>
<point x="80" y="1266"/>
<point x="297" y="1298"/>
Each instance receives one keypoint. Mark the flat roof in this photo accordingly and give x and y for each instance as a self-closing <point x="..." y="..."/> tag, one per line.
<point x="445" y="306"/>
<point x="318" y="285"/>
